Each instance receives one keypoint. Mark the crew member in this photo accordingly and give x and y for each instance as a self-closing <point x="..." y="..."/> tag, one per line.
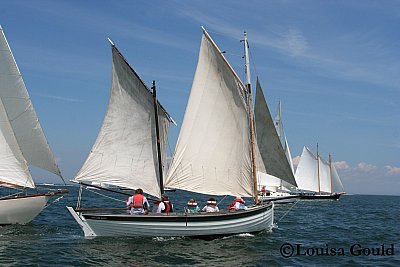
<point x="138" y="204"/>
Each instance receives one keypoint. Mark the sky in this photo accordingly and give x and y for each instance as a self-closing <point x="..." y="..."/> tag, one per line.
<point x="334" y="65"/>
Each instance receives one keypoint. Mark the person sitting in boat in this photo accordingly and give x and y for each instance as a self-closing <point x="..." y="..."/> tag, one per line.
<point x="211" y="206"/>
<point x="192" y="206"/>
<point x="138" y="204"/>
<point x="165" y="206"/>
<point x="263" y="191"/>
<point x="238" y="204"/>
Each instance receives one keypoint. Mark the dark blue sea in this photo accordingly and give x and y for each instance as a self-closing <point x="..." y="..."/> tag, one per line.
<point x="357" y="230"/>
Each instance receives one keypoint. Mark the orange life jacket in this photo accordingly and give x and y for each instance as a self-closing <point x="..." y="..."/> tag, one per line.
<point x="137" y="201"/>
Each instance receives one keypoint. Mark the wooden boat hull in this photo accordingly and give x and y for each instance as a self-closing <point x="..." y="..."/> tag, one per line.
<point x="335" y="196"/>
<point x="21" y="209"/>
<point x="256" y="219"/>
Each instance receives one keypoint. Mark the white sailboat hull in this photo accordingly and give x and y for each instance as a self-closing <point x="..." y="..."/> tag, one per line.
<point x="21" y="210"/>
<point x="254" y="220"/>
<point x="280" y="197"/>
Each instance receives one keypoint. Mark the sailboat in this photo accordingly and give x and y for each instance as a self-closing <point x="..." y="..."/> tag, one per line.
<point x="22" y="143"/>
<point x="275" y="152"/>
<point x="317" y="178"/>
<point x="214" y="153"/>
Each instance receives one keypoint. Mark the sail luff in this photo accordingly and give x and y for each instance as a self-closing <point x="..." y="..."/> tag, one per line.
<point x="318" y="170"/>
<point x="250" y="110"/>
<point x="160" y="168"/>
<point x="330" y="171"/>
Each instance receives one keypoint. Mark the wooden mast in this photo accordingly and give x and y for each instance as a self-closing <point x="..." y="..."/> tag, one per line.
<point x="250" y="107"/>
<point x="160" y="169"/>
<point x="319" y="182"/>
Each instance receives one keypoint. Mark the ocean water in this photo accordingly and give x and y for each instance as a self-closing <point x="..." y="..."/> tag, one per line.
<point x="314" y="233"/>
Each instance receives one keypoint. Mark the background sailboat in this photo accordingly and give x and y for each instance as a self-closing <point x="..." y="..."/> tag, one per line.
<point x="22" y="143"/>
<point x="317" y="178"/>
<point x="213" y="159"/>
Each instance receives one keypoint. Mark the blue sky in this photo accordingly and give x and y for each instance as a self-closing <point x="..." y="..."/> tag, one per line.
<point x="335" y="66"/>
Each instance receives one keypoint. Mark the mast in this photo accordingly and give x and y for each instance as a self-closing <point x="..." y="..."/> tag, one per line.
<point x="250" y="107"/>
<point x="160" y="169"/>
<point x="319" y="182"/>
<point x="330" y="171"/>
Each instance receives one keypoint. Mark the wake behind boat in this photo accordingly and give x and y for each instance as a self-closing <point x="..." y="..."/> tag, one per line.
<point x="22" y="143"/>
<point x="135" y="114"/>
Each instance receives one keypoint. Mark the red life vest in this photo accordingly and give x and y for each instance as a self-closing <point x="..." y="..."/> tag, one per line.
<point x="234" y="202"/>
<point x="137" y="201"/>
<point x="168" y="207"/>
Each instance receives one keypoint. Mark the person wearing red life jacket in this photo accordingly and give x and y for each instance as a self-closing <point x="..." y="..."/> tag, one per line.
<point x="238" y="204"/>
<point x="211" y="205"/>
<point x="138" y="204"/>
<point x="263" y="191"/>
<point x="165" y="206"/>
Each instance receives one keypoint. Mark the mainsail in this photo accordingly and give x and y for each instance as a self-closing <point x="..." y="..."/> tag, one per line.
<point x="212" y="155"/>
<point x="125" y="151"/>
<point x="271" y="149"/>
<point x="22" y="137"/>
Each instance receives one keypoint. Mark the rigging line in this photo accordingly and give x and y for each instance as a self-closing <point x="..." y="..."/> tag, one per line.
<point x="18" y="193"/>
<point x="222" y="200"/>
<point x="116" y="199"/>
<point x="56" y="200"/>
<point x="253" y="63"/>
<point x="289" y="210"/>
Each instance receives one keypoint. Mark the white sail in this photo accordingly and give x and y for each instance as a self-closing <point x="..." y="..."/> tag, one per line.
<point x="14" y="169"/>
<point x="272" y="152"/>
<point x="324" y="175"/>
<point x="125" y="152"/>
<point x="212" y="155"/>
<point x="337" y="185"/>
<point x="307" y="171"/>
<point x="21" y="114"/>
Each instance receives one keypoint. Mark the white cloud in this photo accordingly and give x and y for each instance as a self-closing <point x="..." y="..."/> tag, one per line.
<point x="341" y="165"/>
<point x="296" y="42"/>
<point x="296" y="160"/>
<point x="391" y="170"/>
<point x="365" y="167"/>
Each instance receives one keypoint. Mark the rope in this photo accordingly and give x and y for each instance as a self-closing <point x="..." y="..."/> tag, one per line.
<point x="222" y="200"/>
<point x="56" y="200"/>
<point x="288" y="210"/>
<point x="116" y="199"/>
<point x="18" y="193"/>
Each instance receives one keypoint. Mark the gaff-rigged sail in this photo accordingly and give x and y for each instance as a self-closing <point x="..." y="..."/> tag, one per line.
<point x="271" y="149"/>
<point x="212" y="155"/>
<point x="21" y="128"/>
<point x="125" y="151"/>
